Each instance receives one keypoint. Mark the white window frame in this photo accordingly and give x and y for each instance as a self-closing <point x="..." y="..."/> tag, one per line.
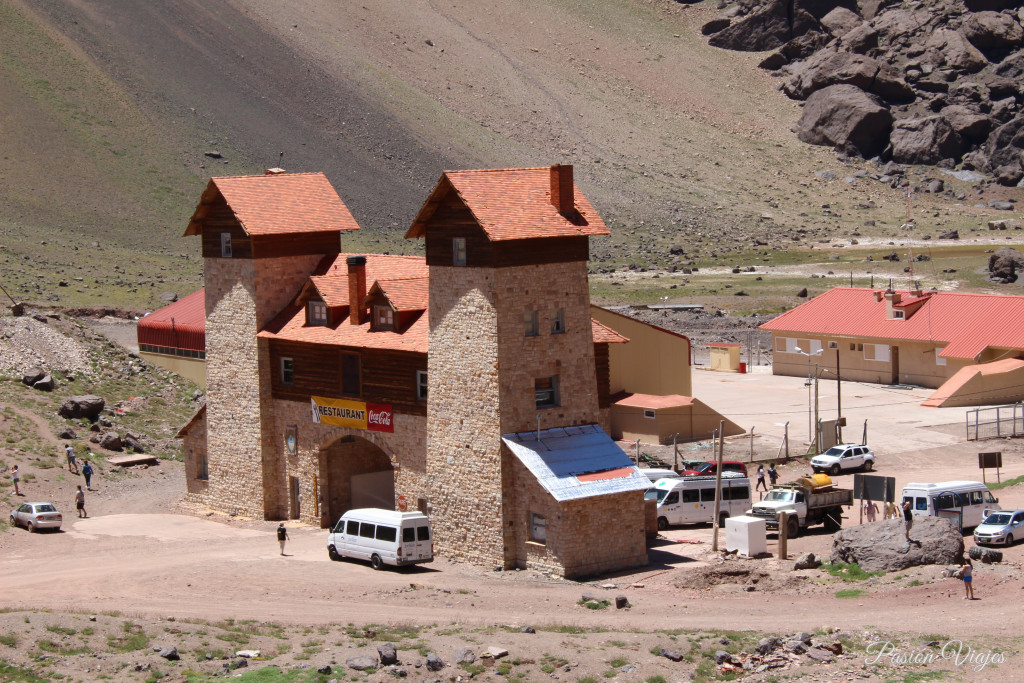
<point x="558" y="321"/>
<point x="287" y="371"/>
<point x="421" y="385"/>
<point x="459" y="251"/>
<point x="538" y="531"/>
<point x="316" y="312"/>
<point x="530" y="327"/>
<point x="225" y="244"/>
<point x="649" y="413"/>
<point x="383" y="316"/>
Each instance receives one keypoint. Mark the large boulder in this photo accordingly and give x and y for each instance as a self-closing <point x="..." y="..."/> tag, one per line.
<point x="111" y="441"/>
<point x="992" y="30"/>
<point x="82" y="406"/>
<point x="845" y="116"/>
<point x="968" y="123"/>
<point x="882" y="546"/>
<point x="955" y="51"/>
<point x="1006" y="159"/>
<point x="32" y="375"/>
<point x="770" y="26"/>
<point x="841" y="21"/>
<point x="1004" y="265"/>
<point x="925" y="140"/>
<point x="834" y="67"/>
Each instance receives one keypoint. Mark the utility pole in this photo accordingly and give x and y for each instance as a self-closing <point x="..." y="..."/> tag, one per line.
<point x="817" y="421"/>
<point x="718" y="483"/>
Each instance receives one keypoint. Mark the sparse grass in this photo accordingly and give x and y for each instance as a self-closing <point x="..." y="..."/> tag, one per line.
<point x="595" y="604"/>
<point x="849" y="593"/>
<point x="849" y="572"/>
<point x="16" y="674"/>
<point x="134" y="638"/>
<point x="9" y="639"/>
<point x="1004" y="484"/>
<point x="915" y="582"/>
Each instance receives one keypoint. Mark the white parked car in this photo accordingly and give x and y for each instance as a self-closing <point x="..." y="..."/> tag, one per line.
<point x="1002" y="527"/>
<point x="844" y="458"/>
<point x="34" y="516"/>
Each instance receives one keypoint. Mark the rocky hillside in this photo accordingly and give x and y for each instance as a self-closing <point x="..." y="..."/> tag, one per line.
<point x="934" y="83"/>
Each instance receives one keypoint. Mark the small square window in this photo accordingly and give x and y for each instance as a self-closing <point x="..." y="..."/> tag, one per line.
<point x="316" y="312"/>
<point x="538" y="528"/>
<point x="459" y="251"/>
<point x="546" y="390"/>
<point x="853" y="347"/>
<point x="558" y="321"/>
<point x="530" y="323"/>
<point x="648" y="413"/>
<point x="383" y="318"/>
<point x="225" y="244"/>
<point x="421" y="385"/>
<point x="287" y="371"/>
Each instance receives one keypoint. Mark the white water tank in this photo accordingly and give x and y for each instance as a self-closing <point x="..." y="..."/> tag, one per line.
<point x="748" y="536"/>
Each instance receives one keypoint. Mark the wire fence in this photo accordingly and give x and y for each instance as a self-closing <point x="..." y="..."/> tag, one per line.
<point x="995" y="421"/>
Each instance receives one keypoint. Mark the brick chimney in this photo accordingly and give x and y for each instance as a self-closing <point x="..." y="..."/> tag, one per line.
<point x="562" y="189"/>
<point x="892" y="299"/>
<point x="356" y="289"/>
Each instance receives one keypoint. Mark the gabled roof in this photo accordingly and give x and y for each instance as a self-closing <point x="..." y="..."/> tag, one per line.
<point x="576" y="462"/>
<point x="277" y="204"/>
<point x="180" y="325"/>
<point x="404" y="294"/>
<point x="511" y="204"/>
<point x="606" y="335"/>
<point x="193" y="421"/>
<point x="966" y="324"/>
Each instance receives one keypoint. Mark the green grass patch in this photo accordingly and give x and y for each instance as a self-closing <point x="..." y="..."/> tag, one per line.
<point x="848" y="593"/>
<point x="595" y="604"/>
<point x="1005" y="484"/>
<point x="9" y="639"/>
<point x="47" y="645"/>
<point x="134" y="638"/>
<point x="16" y="674"/>
<point x="849" y="572"/>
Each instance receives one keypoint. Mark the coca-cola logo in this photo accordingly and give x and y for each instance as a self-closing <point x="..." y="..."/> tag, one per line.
<point x="379" y="418"/>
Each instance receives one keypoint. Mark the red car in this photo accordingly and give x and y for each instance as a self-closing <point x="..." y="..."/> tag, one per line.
<point x="706" y="468"/>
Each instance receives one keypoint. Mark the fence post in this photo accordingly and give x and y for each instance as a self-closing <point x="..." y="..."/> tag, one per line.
<point x="751" y="445"/>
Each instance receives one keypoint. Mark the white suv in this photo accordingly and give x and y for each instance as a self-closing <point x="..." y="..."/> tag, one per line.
<point x="844" y="457"/>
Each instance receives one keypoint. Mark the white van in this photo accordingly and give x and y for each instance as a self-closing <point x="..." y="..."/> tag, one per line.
<point x="961" y="502"/>
<point x="382" y="537"/>
<point x="654" y="474"/>
<point x="691" y="500"/>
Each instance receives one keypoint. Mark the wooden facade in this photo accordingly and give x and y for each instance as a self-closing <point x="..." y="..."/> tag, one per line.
<point x="603" y="366"/>
<point x="219" y="218"/>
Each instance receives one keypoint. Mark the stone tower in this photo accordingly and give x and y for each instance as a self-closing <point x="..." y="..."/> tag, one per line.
<point x="511" y="346"/>
<point x="261" y="238"/>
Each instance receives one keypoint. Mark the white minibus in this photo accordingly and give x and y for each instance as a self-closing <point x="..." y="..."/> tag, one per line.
<point x="961" y="502"/>
<point x="382" y="537"/>
<point x="691" y="500"/>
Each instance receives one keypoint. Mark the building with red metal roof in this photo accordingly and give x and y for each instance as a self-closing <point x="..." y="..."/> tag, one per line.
<point x="904" y="337"/>
<point x="174" y="337"/>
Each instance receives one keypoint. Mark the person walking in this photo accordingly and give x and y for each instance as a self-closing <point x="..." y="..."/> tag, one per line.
<point x="760" y="479"/>
<point x="282" y="536"/>
<point x="80" y="502"/>
<point x="773" y="474"/>
<point x="968" y="579"/>
<point x="72" y="465"/>
<point x="891" y="512"/>
<point x="870" y="509"/>
<point x="16" y="477"/>
<point x="908" y="519"/>
<point x="87" y="473"/>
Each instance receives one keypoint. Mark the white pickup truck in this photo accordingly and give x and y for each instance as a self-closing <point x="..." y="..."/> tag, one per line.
<point x="844" y="458"/>
<point x="809" y="501"/>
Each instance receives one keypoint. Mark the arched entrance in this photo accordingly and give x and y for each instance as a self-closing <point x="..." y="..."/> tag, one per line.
<point x="354" y="473"/>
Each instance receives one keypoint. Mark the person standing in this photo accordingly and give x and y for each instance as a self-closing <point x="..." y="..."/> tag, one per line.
<point x="80" y="502"/>
<point x="87" y="473"/>
<point x="870" y="509"/>
<point x="72" y="465"/>
<point x="773" y="474"/>
<point x="890" y="510"/>
<point x="908" y="518"/>
<point x="968" y="579"/>
<point x="282" y="536"/>
<point x="760" y="479"/>
<point x="17" y="478"/>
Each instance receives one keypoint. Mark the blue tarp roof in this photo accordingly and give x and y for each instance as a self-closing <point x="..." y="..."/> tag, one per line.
<point x="563" y="454"/>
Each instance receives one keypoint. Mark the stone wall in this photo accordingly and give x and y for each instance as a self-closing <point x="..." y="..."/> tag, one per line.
<point x="193" y="448"/>
<point x="464" y="417"/>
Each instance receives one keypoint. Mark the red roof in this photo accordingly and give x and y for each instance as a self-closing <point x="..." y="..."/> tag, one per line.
<point x="277" y="204"/>
<point x="181" y="325"/>
<point x="511" y="204"/>
<point x="652" y="401"/>
<point x="606" y="335"/>
<point x="408" y="294"/>
<point x="966" y="324"/>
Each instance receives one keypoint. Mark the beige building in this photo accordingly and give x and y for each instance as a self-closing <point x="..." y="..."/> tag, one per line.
<point x="899" y="337"/>
<point x="322" y="396"/>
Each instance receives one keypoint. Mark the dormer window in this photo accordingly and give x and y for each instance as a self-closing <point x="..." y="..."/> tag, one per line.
<point x="316" y="313"/>
<point x="459" y="251"/>
<point x="897" y="314"/>
<point x="383" y="318"/>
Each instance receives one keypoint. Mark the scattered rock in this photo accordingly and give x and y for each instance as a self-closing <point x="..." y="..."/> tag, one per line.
<point x="32" y="375"/>
<point x="388" y="654"/>
<point x="674" y="655"/>
<point x="363" y="662"/>
<point x="325" y="670"/>
<point x="111" y="441"/>
<point x="67" y="433"/>
<point x="768" y="645"/>
<point x="807" y="561"/>
<point x="434" y="663"/>
<point x="465" y="655"/>
<point x="88" y="407"/>
<point x="170" y="654"/>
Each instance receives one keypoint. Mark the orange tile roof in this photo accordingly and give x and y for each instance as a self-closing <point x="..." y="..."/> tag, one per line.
<point x="966" y="324"/>
<point x="407" y="294"/>
<point x="511" y="204"/>
<point x="606" y="335"/>
<point x="277" y="204"/>
<point x="652" y="401"/>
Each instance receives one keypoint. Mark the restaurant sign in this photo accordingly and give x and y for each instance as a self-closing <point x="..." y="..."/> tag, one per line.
<point x="374" y="417"/>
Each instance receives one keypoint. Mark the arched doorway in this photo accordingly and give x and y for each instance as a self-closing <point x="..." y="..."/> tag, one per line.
<point x="354" y="473"/>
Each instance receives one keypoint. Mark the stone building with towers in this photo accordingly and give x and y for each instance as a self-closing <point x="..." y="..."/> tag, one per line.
<point x="471" y="383"/>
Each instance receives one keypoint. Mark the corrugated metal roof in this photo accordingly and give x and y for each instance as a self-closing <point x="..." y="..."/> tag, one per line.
<point x="512" y="204"/>
<point x="563" y="454"/>
<point x="966" y="324"/>
<point x="180" y="325"/>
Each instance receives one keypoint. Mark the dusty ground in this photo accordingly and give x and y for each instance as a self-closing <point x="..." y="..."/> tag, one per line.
<point x="154" y="572"/>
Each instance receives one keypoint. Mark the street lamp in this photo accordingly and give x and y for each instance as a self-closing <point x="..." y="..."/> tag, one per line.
<point x="810" y="423"/>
